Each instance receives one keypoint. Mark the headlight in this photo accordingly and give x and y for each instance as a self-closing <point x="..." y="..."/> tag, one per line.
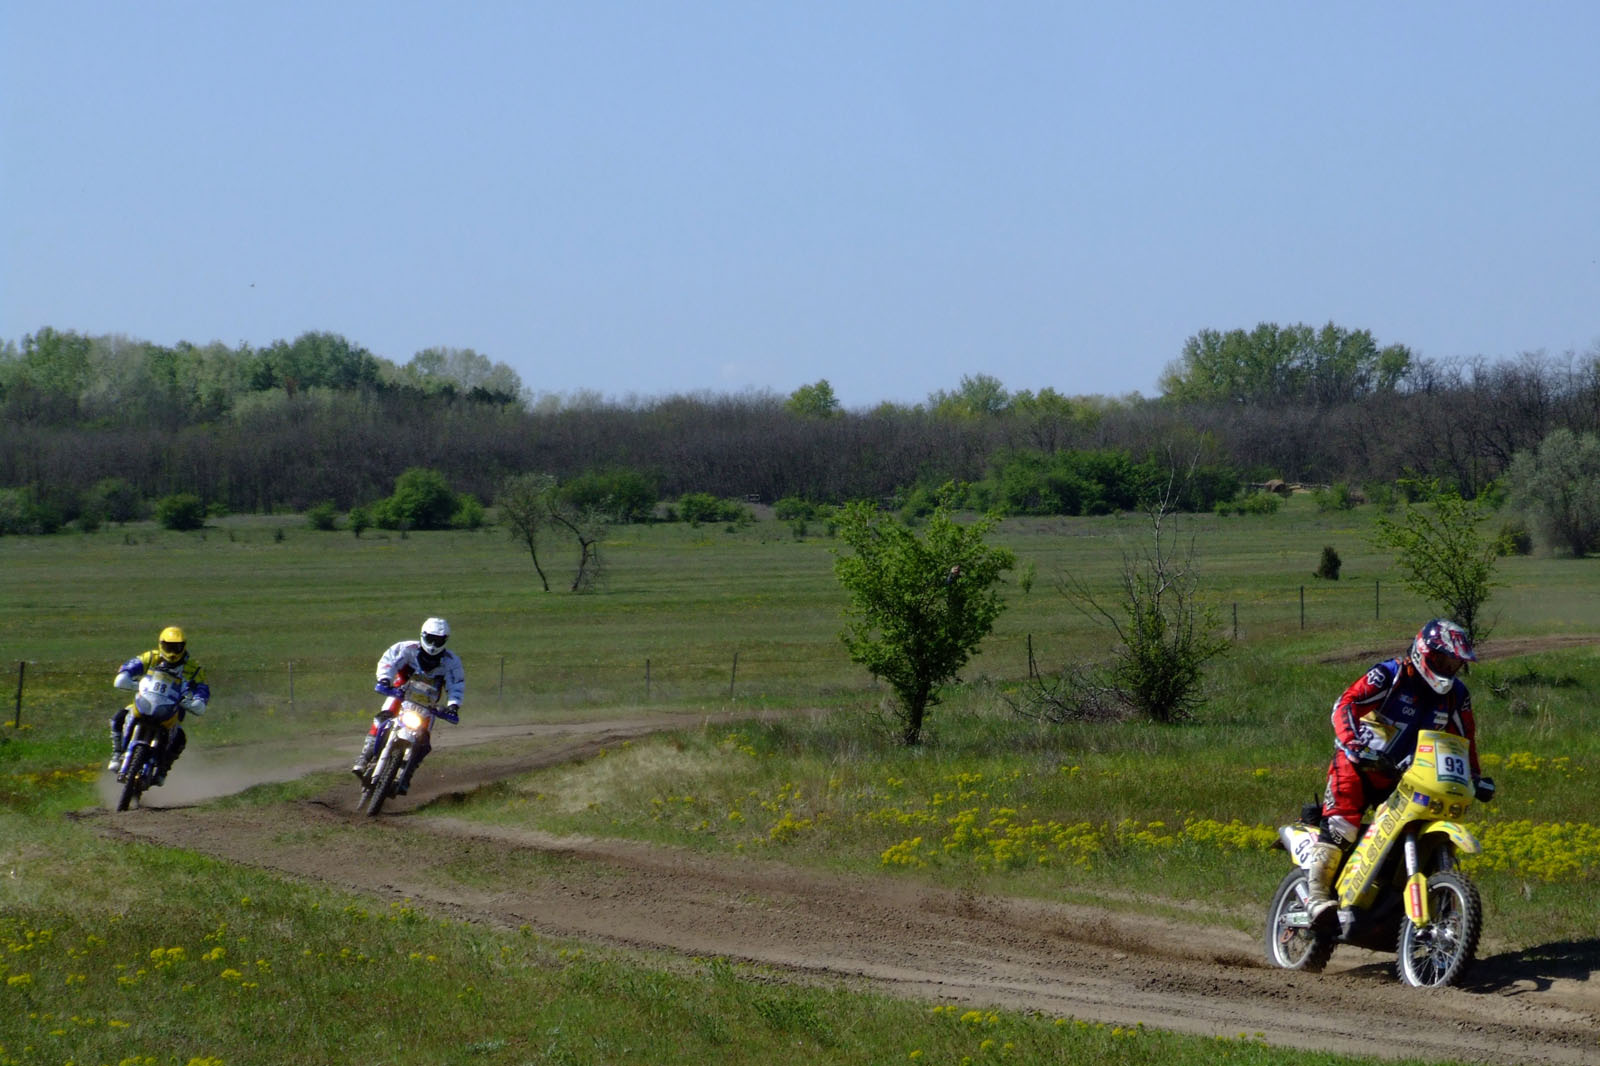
<point x="411" y="719"/>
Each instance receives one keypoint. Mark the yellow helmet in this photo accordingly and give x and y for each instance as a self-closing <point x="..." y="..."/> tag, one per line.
<point x="172" y="645"/>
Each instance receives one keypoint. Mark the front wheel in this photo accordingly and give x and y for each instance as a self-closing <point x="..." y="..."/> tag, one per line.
<point x="382" y="784"/>
<point x="133" y="784"/>
<point x="1292" y="943"/>
<point x="1439" y="953"/>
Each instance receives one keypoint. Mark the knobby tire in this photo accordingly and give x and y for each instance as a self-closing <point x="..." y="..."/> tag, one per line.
<point x="1440" y="954"/>
<point x="1307" y="950"/>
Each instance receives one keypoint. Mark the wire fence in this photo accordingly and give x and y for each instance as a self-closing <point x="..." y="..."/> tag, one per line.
<point x="817" y="673"/>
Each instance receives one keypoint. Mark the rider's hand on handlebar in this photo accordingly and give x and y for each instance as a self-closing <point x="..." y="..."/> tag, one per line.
<point x="1483" y="789"/>
<point x="451" y="714"/>
<point x="1379" y="761"/>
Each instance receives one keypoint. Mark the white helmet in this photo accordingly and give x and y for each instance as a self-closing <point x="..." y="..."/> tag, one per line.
<point x="435" y="631"/>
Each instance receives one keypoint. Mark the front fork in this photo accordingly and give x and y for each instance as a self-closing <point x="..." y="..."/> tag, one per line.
<point x="1417" y="880"/>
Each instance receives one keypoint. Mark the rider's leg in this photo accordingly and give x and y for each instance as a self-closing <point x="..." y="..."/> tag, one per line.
<point x="173" y="748"/>
<point x="369" y="748"/>
<point x="117" y="721"/>
<point x="1342" y="803"/>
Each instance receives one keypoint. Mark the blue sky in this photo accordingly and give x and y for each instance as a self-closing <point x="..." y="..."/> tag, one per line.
<point x="645" y="198"/>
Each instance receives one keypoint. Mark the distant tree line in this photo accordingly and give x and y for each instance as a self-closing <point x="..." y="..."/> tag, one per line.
<point x="97" y="421"/>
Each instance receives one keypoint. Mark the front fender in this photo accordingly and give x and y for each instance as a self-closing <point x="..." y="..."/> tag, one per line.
<point x="1457" y="834"/>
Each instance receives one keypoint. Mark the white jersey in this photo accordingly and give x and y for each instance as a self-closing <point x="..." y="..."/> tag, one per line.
<point x="402" y="658"/>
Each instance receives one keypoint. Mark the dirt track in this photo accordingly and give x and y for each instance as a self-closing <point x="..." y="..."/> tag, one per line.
<point x="1535" y="1006"/>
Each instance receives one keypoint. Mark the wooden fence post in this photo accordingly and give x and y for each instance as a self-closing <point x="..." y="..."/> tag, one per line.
<point x="733" y="676"/>
<point x="22" y="671"/>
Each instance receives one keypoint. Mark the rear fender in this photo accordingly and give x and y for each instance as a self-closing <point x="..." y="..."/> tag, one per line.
<point x="1299" y="841"/>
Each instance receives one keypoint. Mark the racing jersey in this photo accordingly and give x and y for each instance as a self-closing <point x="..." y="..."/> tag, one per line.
<point x="194" y="677"/>
<point x="1386" y="707"/>
<point x="402" y="661"/>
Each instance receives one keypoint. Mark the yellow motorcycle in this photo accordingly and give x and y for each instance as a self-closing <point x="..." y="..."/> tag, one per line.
<point x="1401" y="888"/>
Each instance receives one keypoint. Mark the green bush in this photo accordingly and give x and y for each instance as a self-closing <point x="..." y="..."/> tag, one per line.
<point x="1250" y="503"/>
<point x="469" y="513"/>
<point x="115" y="500"/>
<point x="1516" y="538"/>
<point x="621" y="496"/>
<point x="1328" y="568"/>
<point x="181" y="511"/>
<point x="360" y="520"/>
<point x="698" y="507"/>
<point x="1382" y="495"/>
<point x="793" y="508"/>
<point x="1336" y="497"/>
<point x="21" y="511"/>
<point x="422" y="500"/>
<point x="324" y="516"/>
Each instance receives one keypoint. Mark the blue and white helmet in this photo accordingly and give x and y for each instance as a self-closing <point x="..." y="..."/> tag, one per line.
<point x="1438" y="652"/>
<point x="435" y="631"/>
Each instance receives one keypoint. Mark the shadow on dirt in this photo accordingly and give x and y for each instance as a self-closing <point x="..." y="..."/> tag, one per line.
<point x="1535" y="968"/>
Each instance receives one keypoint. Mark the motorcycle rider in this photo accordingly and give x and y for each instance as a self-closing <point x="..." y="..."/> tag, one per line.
<point x="1375" y="725"/>
<point x="170" y="654"/>
<point x="405" y="659"/>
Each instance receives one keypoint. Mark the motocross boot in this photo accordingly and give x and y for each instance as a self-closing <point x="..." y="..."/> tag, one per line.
<point x="368" y="749"/>
<point x="1320" y="874"/>
<point x="117" y="748"/>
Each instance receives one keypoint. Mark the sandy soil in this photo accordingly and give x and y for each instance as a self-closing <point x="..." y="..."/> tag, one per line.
<point x="1529" y="1006"/>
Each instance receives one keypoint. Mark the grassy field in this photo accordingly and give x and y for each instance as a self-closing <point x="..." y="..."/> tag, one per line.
<point x="289" y="624"/>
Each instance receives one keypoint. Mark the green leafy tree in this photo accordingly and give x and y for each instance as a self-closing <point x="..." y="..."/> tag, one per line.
<point x="1273" y="364"/>
<point x="813" y="401"/>
<point x="978" y="396"/>
<point x="1558" y="486"/>
<point x="462" y="370"/>
<point x="1442" y="550"/>
<point x="919" y="606"/>
<point x="525" y="502"/>
<point x="529" y="504"/>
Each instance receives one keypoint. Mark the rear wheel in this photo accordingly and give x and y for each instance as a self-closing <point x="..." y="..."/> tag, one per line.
<point x="1292" y="943"/>
<point x="1440" y="952"/>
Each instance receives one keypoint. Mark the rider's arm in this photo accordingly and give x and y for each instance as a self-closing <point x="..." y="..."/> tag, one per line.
<point x="1469" y="729"/>
<point x="196" y="693"/>
<point x="455" y="681"/>
<point x="128" y="674"/>
<point x="1369" y="689"/>
<point x="391" y="662"/>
